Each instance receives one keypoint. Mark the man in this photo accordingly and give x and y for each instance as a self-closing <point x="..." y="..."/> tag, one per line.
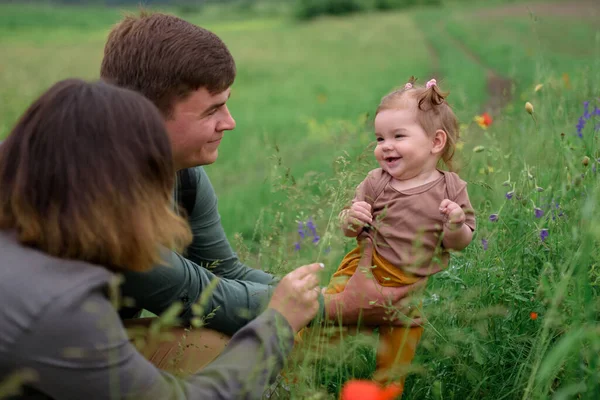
<point x="187" y="72"/>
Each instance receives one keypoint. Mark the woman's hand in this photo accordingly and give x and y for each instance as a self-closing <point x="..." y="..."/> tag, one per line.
<point x="365" y="300"/>
<point x="296" y="296"/>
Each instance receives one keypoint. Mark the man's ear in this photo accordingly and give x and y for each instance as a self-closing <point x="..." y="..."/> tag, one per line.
<point x="439" y="141"/>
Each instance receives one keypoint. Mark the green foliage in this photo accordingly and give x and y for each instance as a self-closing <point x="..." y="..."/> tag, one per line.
<point x="303" y="101"/>
<point x="403" y="4"/>
<point x="308" y="9"/>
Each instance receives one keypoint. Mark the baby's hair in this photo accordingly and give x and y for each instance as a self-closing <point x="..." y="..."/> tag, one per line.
<point x="433" y="111"/>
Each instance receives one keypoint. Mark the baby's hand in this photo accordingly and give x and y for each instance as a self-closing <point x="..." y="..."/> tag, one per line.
<point x="359" y="215"/>
<point x="454" y="215"/>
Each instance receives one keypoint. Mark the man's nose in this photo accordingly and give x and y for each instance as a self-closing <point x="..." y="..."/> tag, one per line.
<point x="228" y="123"/>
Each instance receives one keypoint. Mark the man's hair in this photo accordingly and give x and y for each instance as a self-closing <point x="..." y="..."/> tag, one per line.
<point x="166" y="58"/>
<point x="87" y="174"/>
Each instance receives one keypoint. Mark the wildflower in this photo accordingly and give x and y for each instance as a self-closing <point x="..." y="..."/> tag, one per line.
<point x="301" y="230"/>
<point x="297" y="246"/>
<point x="529" y="107"/>
<point x="484" y="244"/>
<point x="509" y="195"/>
<point x="484" y="120"/>
<point x="533" y="315"/>
<point x="580" y="125"/>
<point x="311" y="225"/>
<point x="539" y="213"/>
<point x="544" y="234"/>
<point x="538" y="87"/>
<point x="585" y="117"/>
<point x="586" y="110"/>
<point x="316" y="239"/>
<point x="585" y="161"/>
<point x="366" y="390"/>
<point x="494" y="217"/>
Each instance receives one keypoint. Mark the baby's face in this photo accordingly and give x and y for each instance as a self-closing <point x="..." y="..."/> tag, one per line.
<point x="404" y="150"/>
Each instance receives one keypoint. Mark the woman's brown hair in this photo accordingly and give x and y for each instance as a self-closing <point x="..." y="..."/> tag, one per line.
<point x="87" y="174"/>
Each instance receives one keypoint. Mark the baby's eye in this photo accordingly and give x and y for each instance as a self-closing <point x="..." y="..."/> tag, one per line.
<point x="399" y="136"/>
<point x="379" y="139"/>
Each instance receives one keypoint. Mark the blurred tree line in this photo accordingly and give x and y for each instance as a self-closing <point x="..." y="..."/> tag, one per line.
<point x="302" y="9"/>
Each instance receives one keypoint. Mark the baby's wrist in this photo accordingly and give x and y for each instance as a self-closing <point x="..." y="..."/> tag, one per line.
<point x="454" y="226"/>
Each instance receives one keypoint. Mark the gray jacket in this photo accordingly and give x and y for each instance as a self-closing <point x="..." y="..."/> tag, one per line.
<point x="57" y="321"/>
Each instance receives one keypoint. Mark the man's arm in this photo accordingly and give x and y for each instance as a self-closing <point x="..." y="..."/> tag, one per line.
<point x="210" y="245"/>
<point x="235" y="303"/>
<point x="79" y="349"/>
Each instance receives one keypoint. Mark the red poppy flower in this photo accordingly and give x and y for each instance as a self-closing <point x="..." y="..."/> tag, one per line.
<point x="484" y="120"/>
<point x="533" y="315"/>
<point x="367" y="390"/>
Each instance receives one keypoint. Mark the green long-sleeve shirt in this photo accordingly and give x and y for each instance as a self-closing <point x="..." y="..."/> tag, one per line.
<point x="242" y="291"/>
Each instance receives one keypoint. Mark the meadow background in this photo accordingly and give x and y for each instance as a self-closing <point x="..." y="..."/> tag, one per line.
<point x="516" y="314"/>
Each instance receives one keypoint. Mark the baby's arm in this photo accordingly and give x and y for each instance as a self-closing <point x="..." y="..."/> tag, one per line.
<point x="457" y="234"/>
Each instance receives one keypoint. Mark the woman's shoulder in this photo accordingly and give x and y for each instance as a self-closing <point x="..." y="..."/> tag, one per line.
<point x="31" y="281"/>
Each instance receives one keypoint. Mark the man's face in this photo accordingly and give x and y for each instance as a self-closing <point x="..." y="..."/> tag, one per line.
<point x="196" y="127"/>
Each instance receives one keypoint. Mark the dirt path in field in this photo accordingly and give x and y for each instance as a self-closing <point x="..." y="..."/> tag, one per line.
<point x="499" y="88"/>
<point x="577" y="8"/>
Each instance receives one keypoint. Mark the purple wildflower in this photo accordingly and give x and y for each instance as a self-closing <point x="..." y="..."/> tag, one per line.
<point x="301" y="230"/>
<point x="484" y="243"/>
<point x="544" y="234"/>
<point x="585" y="117"/>
<point x="586" y="110"/>
<point x="311" y="225"/>
<point x="580" y="125"/>
<point x="327" y="250"/>
<point x="494" y="217"/>
<point x="539" y="213"/>
<point x="297" y="246"/>
<point x="316" y="239"/>
<point x="509" y="195"/>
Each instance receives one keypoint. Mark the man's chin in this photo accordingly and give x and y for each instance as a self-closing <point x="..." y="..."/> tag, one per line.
<point x="208" y="159"/>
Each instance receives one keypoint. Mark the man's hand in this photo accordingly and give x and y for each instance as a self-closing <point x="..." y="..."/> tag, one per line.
<point x="296" y="296"/>
<point x="365" y="300"/>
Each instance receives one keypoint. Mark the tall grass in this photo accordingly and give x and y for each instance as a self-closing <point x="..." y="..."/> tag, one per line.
<point x="517" y="320"/>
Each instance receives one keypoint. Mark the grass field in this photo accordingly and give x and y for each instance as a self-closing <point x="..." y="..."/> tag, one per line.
<point x="514" y="319"/>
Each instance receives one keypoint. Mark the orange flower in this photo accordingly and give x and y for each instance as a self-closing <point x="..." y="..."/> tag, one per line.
<point x="533" y="315"/>
<point x="367" y="390"/>
<point x="484" y="120"/>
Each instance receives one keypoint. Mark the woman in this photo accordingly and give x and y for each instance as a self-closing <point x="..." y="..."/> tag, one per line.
<point x="86" y="178"/>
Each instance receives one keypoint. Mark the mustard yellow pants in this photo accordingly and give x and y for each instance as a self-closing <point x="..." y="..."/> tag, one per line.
<point x="397" y="345"/>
